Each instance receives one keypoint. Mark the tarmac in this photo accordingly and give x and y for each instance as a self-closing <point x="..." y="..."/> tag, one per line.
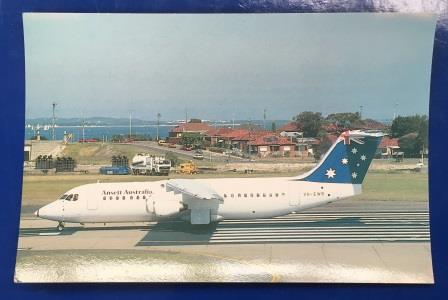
<point x="346" y="241"/>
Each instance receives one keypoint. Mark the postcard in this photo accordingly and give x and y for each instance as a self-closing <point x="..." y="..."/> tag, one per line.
<point x="226" y="148"/>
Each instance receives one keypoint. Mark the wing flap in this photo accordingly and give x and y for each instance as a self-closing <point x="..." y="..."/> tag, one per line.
<point x="193" y="189"/>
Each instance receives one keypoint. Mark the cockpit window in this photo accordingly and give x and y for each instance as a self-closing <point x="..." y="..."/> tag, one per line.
<point x="63" y="196"/>
<point x="75" y="197"/>
<point x="69" y="197"/>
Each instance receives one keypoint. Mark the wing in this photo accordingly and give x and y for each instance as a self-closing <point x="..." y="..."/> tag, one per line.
<point x="193" y="189"/>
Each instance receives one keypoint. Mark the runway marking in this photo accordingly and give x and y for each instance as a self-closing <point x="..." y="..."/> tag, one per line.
<point x="307" y="227"/>
<point x="49" y="233"/>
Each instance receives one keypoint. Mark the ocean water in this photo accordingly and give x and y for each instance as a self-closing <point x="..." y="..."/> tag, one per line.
<point x="103" y="132"/>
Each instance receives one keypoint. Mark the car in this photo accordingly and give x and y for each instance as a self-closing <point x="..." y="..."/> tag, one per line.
<point x="198" y="155"/>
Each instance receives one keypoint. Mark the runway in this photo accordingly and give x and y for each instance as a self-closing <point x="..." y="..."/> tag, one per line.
<point x="349" y="241"/>
<point x="316" y="226"/>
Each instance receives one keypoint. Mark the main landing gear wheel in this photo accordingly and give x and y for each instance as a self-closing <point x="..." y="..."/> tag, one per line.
<point x="60" y="226"/>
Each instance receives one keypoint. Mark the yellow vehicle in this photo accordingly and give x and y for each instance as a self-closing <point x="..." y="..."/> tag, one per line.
<point x="187" y="168"/>
<point x="161" y="142"/>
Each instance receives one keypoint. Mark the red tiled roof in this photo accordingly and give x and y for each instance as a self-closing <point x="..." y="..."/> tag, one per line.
<point x="270" y="140"/>
<point x="290" y="127"/>
<point x="191" y="127"/>
<point x="388" y="142"/>
<point x="251" y="135"/>
<point x="235" y="133"/>
<point x="218" y="131"/>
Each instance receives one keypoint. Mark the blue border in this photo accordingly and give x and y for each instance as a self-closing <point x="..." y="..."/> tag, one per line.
<point x="12" y="97"/>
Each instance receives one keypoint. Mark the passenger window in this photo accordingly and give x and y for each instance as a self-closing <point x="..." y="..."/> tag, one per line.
<point x="130" y="197"/>
<point x="138" y="197"/>
<point x="75" y="197"/>
<point x="251" y="195"/>
<point x="110" y="197"/>
<point x="270" y="194"/>
<point x="144" y="197"/>
<point x="245" y="195"/>
<point x="117" y="198"/>
<point x="276" y="194"/>
<point x="239" y="195"/>
<point x="258" y="195"/>
<point x="225" y="195"/>
<point x="231" y="195"/>
<point x="264" y="195"/>
<point x="283" y="194"/>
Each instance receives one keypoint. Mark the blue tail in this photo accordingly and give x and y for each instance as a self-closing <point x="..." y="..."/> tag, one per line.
<point x="348" y="159"/>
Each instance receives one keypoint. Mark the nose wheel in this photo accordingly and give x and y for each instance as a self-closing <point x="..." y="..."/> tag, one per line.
<point x="60" y="226"/>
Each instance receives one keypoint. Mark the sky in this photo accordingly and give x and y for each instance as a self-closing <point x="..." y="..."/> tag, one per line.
<point x="225" y="66"/>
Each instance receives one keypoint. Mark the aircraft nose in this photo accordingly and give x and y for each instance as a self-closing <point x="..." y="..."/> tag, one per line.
<point x="52" y="211"/>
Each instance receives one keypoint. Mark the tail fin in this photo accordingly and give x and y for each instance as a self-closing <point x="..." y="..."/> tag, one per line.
<point x="348" y="159"/>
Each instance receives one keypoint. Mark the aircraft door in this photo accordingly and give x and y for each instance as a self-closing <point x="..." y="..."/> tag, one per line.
<point x="92" y="202"/>
<point x="294" y="195"/>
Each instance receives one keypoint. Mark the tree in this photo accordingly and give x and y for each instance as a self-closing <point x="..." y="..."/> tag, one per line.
<point x="345" y="119"/>
<point x="404" y="125"/>
<point x="311" y="122"/>
<point x="412" y="132"/>
<point x="191" y="138"/>
<point x="409" y="144"/>
<point x="172" y="158"/>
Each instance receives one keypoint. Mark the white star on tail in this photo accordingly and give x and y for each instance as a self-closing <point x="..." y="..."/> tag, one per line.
<point x="354" y="150"/>
<point x="330" y="173"/>
<point x="363" y="157"/>
<point x="354" y="175"/>
<point x="344" y="161"/>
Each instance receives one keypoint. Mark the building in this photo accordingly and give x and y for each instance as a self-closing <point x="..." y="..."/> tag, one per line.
<point x="223" y="136"/>
<point x="175" y="134"/>
<point x="271" y="145"/>
<point x="305" y="147"/>
<point x="388" y="147"/>
<point x="291" y="130"/>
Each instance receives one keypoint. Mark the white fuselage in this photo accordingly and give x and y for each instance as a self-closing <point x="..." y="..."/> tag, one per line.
<point x="243" y="198"/>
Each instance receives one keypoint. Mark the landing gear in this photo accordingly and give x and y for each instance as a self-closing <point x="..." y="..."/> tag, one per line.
<point x="60" y="226"/>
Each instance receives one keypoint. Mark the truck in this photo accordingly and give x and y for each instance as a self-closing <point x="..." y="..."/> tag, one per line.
<point x="187" y="168"/>
<point x="148" y="164"/>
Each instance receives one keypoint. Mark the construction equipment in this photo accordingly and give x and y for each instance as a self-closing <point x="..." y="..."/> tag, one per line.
<point x="187" y="168"/>
<point x="147" y="164"/>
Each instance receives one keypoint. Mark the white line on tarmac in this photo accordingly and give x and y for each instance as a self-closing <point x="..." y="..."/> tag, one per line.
<point x="222" y="232"/>
<point x="49" y="233"/>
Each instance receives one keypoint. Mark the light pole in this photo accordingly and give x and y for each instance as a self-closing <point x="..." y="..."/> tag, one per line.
<point x="53" y="136"/>
<point x="158" y="124"/>
<point x="130" y="126"/>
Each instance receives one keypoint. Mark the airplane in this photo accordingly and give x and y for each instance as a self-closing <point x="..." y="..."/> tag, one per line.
<point x="338" y="175"/>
